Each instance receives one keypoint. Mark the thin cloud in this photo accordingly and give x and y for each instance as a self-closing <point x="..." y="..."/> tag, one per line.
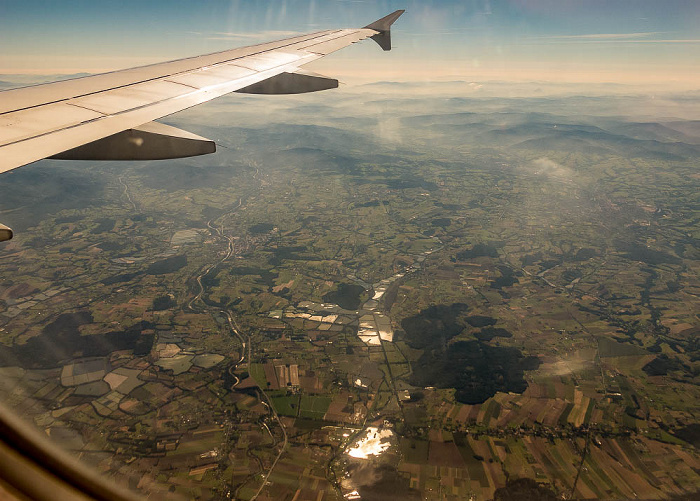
<point x="649" y="37"/>
<point x="603" y="36"/>
<point x="659" y="41"/>
<point x="457" y="32"/>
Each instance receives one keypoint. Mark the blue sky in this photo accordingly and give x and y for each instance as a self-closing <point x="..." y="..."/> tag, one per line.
<point x="519" y="39"/>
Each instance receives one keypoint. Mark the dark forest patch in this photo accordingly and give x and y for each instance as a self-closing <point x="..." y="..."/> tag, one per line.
<point x="530" y="259"/>
<point x="480" y="321"/>
<point x="585" y="254"/>
<point x="261" y="228"/>
<point x="474" y="369"/>
<point x="104" y="225"/>
<point x="640" y="252"/>
<point x="506" y="279"/>
<point x="371" y="203"/>
<point x="162" y="303"/>
<point x="661" y="366"/>
<point x="451" y="207"/>
<point x="524" y="489"/>
<point x="488" y="333"/>
<point x="571" y="275"/>
<point x="267" y="277"/>
<point x="167" y="265"/>
<point x="690" y="434"/>
<point x="287" y="253"/>
<point x="478" y="250"/>
<point x="111" y="246"/>
<point x="347" y="296"/>
<point x="435" y="325"/>
<point x="21" y="290"/>
<point x="443" y="222"/>
<point x="61" y="340"/>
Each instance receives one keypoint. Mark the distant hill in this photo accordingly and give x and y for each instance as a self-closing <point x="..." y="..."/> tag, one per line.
<point x="46" y="188"/>
<point x="610" y="144"/>
<point x="653" y="131"/>
<point x="690" y="128"/>
<point x="547" y="131"/>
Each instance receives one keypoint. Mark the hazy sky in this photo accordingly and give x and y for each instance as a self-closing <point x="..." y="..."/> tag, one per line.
<point x="572" y="40"/>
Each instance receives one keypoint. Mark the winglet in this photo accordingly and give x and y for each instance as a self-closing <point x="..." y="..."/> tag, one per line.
<point x="383" y="26"/>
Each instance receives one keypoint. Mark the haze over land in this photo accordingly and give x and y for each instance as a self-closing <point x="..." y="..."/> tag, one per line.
<point x="323" y="282"/>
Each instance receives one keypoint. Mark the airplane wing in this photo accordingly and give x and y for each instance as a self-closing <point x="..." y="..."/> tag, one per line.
<point x="110" y="116"/>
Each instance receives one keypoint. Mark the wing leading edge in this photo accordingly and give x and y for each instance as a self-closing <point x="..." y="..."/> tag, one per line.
<point x="108" y="116"/>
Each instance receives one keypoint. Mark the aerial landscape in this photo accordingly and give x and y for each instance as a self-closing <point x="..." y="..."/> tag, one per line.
<point x="425" y="288"/>
<point x="373" y="304"/>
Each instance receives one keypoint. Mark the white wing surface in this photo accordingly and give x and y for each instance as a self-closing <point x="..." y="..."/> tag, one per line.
<point x="108" y="116"/>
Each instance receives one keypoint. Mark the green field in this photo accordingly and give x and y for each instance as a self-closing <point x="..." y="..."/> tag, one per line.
<point x="314" y="407"/>
<point x="286" y="405"/>
<point x="258" y="373"/>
